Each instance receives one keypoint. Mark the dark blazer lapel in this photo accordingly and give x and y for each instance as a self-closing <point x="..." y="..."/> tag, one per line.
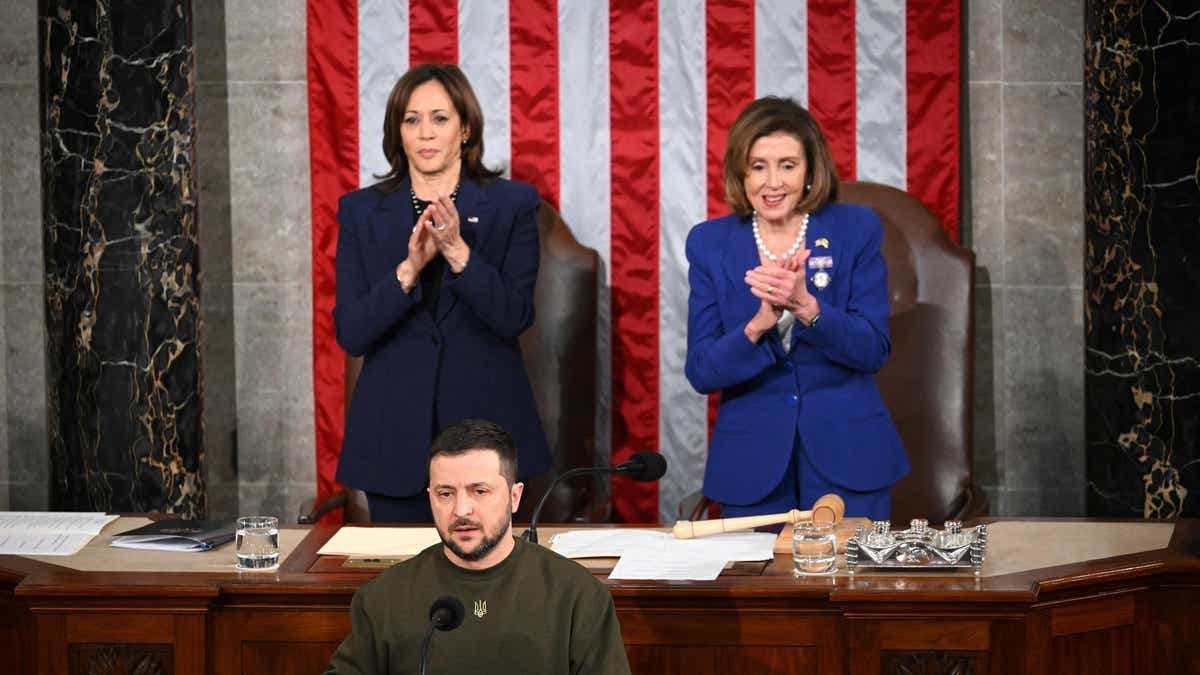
<point x="391" y="228"/>
<point x="740" y="256"/>
<point x="474" y="224"/>
<point x="396" y="216"/>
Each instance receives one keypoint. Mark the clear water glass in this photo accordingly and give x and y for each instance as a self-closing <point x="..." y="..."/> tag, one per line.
<point x="814" y="548"/>
<point x="257" y="542"/>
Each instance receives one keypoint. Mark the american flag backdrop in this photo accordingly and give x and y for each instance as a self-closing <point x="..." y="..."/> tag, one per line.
<point x="617" y="111"/>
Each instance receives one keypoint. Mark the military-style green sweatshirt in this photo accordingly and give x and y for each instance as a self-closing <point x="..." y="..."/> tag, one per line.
<point x="535" y="612"/>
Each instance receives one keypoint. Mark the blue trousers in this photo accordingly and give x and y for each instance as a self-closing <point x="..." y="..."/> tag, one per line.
<point x="802" y="484"/>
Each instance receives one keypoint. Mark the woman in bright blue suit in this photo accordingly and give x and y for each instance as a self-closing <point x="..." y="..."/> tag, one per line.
<point x="788" y="320"/>
<point x="436" y="266"/>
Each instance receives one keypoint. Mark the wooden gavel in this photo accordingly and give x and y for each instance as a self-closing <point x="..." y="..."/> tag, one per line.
<point x="828" y="509"/>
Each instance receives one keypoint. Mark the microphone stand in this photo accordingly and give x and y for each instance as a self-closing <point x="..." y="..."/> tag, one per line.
<point x="425" y="647"/>
<point x="531" y="533"/>
<point x="642" y="466"/>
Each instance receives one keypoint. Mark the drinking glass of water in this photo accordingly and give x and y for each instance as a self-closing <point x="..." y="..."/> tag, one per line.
<point x="257" y="542"/>
<point x="814" y="548"/>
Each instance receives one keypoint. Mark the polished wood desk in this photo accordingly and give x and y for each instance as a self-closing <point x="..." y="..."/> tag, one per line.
<point x="1133" y="613"/>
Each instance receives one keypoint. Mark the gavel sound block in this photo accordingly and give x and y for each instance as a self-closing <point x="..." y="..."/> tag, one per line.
<point x="828" y="509"/>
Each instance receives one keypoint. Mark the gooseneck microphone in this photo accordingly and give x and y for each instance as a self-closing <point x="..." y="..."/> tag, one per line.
<point x="644" y="466"/>
<point x="446" y="613"/>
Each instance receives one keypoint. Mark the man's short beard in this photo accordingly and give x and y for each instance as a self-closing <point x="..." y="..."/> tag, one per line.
<point x="485" y="546"/>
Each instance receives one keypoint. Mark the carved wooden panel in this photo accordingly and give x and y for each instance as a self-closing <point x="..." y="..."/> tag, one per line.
<point x="300" y="658"/>
<point x="10" y="651"/>
<point x="121" y="659"/>
<point x="932" y="663"/>
<point x="1100" y="652"/>
<point x="12" y="617"/>
<point x="701" y="659"/>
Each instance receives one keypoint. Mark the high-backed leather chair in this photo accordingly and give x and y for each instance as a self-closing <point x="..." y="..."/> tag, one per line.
<point x="927" y="381"/>
<point x="559" y="351"/>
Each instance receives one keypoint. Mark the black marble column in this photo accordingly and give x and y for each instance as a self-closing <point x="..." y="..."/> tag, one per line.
<point x="1142" y="270"/>
<point x="122" y="304"/>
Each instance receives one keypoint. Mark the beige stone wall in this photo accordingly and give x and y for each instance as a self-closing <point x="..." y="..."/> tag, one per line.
<point x="24" y="458"/>
<point x="255" y="255"/>
<point x="1025" y="96"/>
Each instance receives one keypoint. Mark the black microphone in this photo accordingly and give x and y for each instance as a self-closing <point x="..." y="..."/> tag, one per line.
<point x="645" y="466"/>
<point x="446" y="613"/>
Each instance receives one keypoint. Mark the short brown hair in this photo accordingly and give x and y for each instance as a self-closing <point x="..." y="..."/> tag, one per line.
<point x="474" y="434"/>
<point x="458" y="87"/>
<point x="762" y="118"/>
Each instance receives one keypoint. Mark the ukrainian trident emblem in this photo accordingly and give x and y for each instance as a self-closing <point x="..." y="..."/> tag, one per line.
<point x="480" y="608"/>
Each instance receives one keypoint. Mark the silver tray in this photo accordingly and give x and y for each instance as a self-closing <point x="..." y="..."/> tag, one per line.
<point x="920" y="547"/>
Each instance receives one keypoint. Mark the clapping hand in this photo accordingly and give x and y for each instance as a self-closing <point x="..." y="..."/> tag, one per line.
<point x="421" y="249"/>
<point x="780" y="287"/>
<point x="784" y="287"/>
<point x="444" y="227"/>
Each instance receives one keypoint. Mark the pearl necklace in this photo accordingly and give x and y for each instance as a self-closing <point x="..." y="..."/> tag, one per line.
<point x="763" y="247"/>
<point x="421" y="204"/>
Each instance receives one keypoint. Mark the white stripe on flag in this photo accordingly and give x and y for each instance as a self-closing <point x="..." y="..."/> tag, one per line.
<point x="781" y="49"/>
<point x="585" y="152"/>
<point x="881" y="116"/>
<point x="683" y="413"/>
<point x="483" y="52"/>
<point x="382" y="59"/>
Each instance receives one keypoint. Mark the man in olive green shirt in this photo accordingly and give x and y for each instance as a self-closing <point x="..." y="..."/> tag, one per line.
<point x="528" y="609"/>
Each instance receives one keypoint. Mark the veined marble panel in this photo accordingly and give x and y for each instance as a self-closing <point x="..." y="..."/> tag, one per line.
<point x="121" y="258"/>
<point x="1142" y="268"/>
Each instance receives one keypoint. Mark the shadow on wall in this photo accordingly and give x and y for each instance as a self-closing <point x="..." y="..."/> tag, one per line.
<point x="987" y="460"/>
<point x="218" y="363"/>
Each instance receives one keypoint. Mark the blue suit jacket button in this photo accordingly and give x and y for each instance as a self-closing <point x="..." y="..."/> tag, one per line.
<point x="795" y="398"/>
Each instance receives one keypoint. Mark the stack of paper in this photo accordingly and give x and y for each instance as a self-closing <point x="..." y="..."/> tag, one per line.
<point x="380" y="542"/>
<point x="42" y="533"/>
<point x="653" y="554"/>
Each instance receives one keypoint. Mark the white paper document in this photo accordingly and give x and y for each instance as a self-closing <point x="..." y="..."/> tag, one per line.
<point x="654" y="554"/>
<point x="649" y="566"/>
<point x="42" y="544"/>
<point x="380" y="542"/>
<point x="45" y="533"/>
<point x="619" y="542"/>
<point x="53" y="523"/>
<point x="607" y="542"/>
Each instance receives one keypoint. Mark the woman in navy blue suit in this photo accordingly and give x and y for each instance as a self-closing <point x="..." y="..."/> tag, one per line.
<point x="436" y="266"/>
<point x="787" y="319"/>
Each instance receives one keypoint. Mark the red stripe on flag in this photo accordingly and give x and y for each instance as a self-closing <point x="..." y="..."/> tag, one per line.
<point x="729" y="38"/>
<point x="933" y="73"/>
<point x="432" y="32"/>
<point x="831" y="86"/>
<point x="533" y="83"/>
<point x="633" y="91"/>
<point x="333" y="163"/>
<point x="729" y="41"/>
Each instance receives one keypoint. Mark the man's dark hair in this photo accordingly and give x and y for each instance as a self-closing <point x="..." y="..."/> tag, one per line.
<point x="473" y="434"/>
